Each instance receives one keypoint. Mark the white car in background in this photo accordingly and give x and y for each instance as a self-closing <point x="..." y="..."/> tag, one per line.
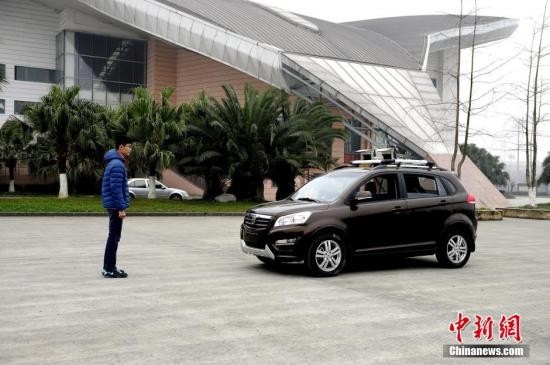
<point x="139" y="188"/>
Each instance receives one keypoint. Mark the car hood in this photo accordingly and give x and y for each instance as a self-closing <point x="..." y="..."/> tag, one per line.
<point x="284" y="207"/>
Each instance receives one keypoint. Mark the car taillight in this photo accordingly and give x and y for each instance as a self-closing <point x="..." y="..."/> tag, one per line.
<point x="471" y="199"/>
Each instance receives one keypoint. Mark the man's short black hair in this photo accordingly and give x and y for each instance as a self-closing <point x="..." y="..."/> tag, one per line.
<point x="122" y="140"/>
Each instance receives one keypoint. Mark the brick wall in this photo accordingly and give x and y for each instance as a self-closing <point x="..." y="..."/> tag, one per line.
<point x="161" y="67"/>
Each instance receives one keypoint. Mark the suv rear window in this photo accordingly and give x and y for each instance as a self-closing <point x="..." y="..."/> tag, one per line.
<point x="419" y="186"/>
<point x="449" y="186"/>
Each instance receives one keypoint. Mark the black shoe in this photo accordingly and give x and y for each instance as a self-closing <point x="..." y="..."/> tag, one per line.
<point x="114" y="274"/>
<point x="120" y="273"/>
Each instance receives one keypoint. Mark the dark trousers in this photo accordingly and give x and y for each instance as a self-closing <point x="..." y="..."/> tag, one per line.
<point x="115" y="229"/>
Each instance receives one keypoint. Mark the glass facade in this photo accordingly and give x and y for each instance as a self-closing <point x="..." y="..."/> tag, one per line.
<point x="106" y="69"/>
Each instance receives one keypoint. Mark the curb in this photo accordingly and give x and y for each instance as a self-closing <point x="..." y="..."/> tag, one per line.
<point x="135" y="214"/>
<point x="489" y="215"/>
<point x="526" y="213"/>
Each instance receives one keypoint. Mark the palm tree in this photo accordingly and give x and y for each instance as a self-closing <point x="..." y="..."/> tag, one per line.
<point x="545" y="176"/>
<point x="62" y="119"/>
<point x="153" y="127"/>
<point x="15" y="136"/>
<point x="85" y="159"/>
<point x="302" y="136"/>
<point x="203" y="152"/>
<point x="246" y="138"/>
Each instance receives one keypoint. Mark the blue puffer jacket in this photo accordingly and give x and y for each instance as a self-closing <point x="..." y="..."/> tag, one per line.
<point x="114" y="189"/>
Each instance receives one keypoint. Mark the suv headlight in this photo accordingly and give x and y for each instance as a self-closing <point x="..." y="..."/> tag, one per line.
<point x="296" y="218"/>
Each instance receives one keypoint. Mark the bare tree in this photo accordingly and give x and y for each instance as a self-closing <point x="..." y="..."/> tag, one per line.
<point x="469" y="110"/>
<point x="457" y="115"/>
<point x="531" y="146"/>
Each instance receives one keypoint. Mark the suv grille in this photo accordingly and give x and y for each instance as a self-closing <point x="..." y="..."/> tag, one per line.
<point x="256" y="222"/>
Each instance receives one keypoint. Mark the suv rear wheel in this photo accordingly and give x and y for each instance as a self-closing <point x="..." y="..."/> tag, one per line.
<point x="454" y="248"/>
<point x="326" y="256"/>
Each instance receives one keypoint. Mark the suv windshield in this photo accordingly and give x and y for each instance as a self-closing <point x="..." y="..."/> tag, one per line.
<point x="327" y="188"/>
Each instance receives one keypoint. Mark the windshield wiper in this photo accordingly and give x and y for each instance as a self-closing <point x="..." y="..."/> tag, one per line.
<point x="309" y="200"/>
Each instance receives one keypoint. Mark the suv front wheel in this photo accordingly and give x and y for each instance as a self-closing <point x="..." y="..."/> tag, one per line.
<point x="454" y="249"/>
<point x="326" y="256"/>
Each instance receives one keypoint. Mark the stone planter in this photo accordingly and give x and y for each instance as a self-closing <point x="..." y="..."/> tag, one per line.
<point x="526" y="213"/>
<point x="488" y="215"/>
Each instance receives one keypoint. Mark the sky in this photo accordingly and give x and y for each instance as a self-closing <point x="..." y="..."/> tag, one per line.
<point x="494" y="127"/>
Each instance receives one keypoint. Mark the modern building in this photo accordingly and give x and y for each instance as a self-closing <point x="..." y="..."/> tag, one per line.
<point x="392" y="78"/>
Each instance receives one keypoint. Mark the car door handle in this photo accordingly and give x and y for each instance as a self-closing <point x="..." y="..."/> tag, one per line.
<point x="443" y="201"/>
<point x="397" y="209"/>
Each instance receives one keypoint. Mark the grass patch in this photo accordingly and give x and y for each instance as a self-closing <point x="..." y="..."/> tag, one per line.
<point x="545" y="206"/>
<point x="92" y="204"/>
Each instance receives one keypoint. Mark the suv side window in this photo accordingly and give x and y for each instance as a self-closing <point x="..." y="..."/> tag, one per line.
<point x="422" y="186"/>
<point x="382" y="187"/>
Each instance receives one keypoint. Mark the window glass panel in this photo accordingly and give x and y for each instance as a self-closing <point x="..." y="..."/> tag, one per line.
<point x="19" y="106"/>
<point x="139" y="184"/>
<point x="139" y="51"/>
<point x="2" y="106"/>
<point x="126" y="92"/>
<point x="420" y="186"/>
<point x="84" y="43"/>
<point x="381" y="187"/>
<point x="3" y="70"/>
<point x="100" y="67"/>
<point x="33" y="74"/>
<point x="113" y="93"/>
<point x="139" y="73"/>
<point x="126" y="71"/>
<point x="114" y="46"/>
<point x="99" y="93"/>
<point x="451" y="188"/>
<point x="112" y="70"/>
<point x="85" y="67"/>
<point x="59" y="49"/>
<point x="85" y="88"/>
<point x="99" y="46"/>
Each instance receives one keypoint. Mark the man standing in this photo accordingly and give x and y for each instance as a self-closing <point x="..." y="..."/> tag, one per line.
<point x="116" y="199"/>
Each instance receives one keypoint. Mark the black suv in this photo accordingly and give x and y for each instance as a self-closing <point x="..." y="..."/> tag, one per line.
<point x="386" y="209"/>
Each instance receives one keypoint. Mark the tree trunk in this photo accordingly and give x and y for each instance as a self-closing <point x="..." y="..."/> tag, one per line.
<point x="532" y="191"/>
<point x="11" y="167"/>
<point x="213" y="187"/>
<point x="469" y="113"/>
<point x="457" y="116"/>
<point x="152" y="185"/>
<point x="63" y="187"/>
<point x="62" y="166"/>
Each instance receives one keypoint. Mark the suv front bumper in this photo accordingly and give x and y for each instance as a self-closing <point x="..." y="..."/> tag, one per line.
<point x="265" y="252"/>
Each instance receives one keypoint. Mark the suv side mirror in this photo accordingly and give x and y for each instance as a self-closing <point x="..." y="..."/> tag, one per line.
<point x="362" y="196"/>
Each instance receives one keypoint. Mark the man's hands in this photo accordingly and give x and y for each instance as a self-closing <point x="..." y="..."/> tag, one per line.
<point x="122" y="214"/>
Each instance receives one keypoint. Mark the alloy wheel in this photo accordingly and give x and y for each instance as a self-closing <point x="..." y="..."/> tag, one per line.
<point x="457" y="249"/>
<point x="328" y="255"/>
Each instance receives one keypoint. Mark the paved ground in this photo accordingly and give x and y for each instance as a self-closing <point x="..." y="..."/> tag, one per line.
<point x="193" y="298"/>
<point x="520" y="201"/>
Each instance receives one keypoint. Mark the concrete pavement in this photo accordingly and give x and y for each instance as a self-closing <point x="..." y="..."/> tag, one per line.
<point x="193" y="298"/>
